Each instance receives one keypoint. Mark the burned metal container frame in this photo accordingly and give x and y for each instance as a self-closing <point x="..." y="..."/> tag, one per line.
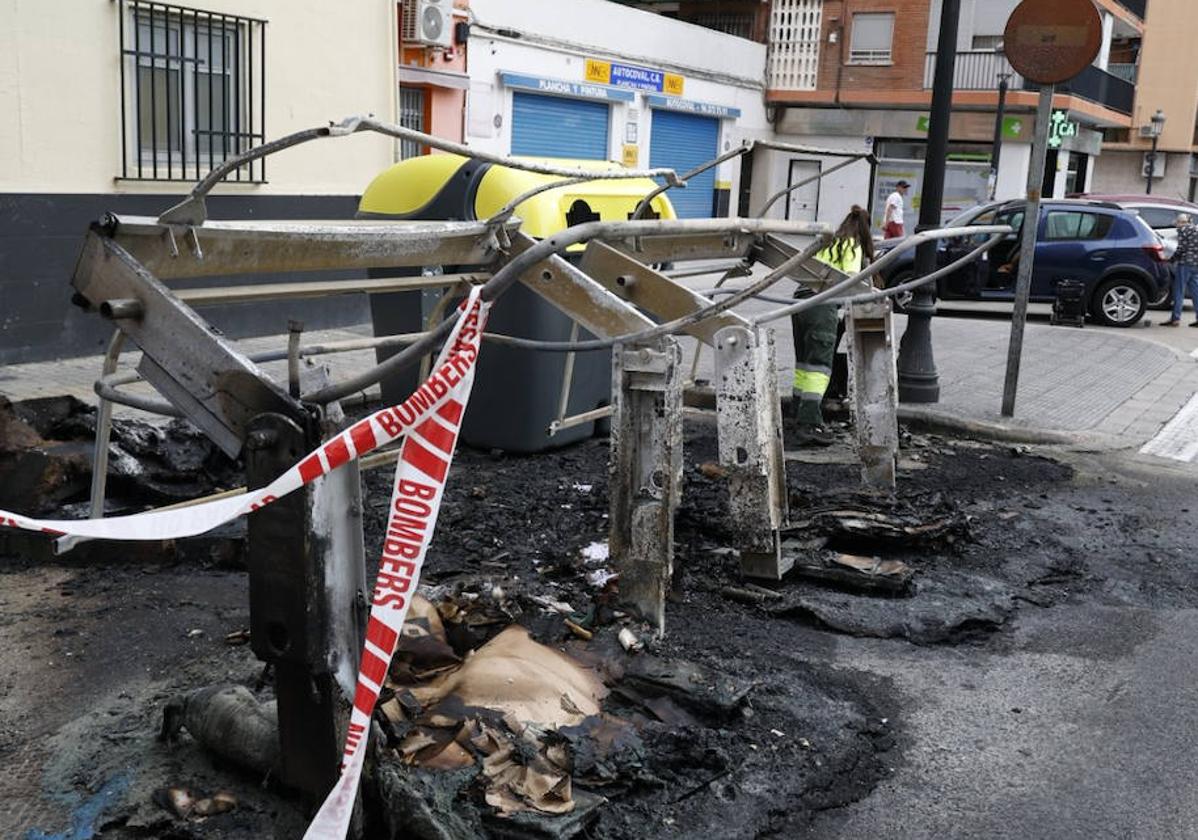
<point x="614" y="292"/>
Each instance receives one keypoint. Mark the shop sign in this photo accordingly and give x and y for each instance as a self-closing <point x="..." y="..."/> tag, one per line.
<point x="1060" y="127"/>
<point x="1012" y="127"/>
<point x="631" y="76"/>
<point x="690" y="106"/>
<point x="631" y="155"/>
<point x="561" y="87"/>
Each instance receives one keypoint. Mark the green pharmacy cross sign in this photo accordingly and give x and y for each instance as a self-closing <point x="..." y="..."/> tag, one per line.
<point x="1060" y="127"/>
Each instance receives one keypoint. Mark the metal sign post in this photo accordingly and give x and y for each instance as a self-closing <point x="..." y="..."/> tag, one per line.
<point x="1027" y="248"/>
<point x="1047" y="44"/>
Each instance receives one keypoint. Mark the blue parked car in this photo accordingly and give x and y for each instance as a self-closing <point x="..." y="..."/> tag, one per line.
<point x="1110" y="250"/>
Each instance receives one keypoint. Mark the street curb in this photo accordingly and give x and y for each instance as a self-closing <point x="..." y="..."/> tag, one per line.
<point x="930" y="420"/>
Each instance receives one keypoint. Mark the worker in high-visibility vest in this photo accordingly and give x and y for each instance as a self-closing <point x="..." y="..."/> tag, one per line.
<point x="815" y="329"/>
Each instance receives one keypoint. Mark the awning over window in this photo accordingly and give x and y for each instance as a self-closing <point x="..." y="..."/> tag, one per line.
<point x="412" y="75"/>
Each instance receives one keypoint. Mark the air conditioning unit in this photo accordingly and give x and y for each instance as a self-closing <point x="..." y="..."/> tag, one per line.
<point x="428" y="22"/>
<point x="1146" y="132"/>
<point x="1158" y="170"/>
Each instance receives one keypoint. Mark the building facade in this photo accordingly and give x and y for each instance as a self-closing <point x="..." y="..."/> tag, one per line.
<point x="1164" y="81"/>
<point x="743" y="18"/>
<point x="857" y="74"/>
<point x="432" y="77"/>
<point x="609" y="82"/>
<point x="122" y="105"/>
<point x="150" y="96"/>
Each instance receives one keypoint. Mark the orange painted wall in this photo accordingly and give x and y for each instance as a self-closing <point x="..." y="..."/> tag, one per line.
<point x="444" y="107"/>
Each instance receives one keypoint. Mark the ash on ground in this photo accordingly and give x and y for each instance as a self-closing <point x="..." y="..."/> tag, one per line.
<point x="738" y="723"/>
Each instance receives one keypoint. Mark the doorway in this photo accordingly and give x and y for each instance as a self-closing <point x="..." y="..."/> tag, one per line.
<point x="803" y="203"/>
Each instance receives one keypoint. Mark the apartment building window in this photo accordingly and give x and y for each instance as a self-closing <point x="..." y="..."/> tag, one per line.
<point x="872" y="37"/>
<point x="193" y="92"/>
<point x="987" y="43"/>
<point x="411" y="115"/>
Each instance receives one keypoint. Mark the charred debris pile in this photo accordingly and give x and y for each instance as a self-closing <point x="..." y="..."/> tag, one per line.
<point x="524" y="701"/>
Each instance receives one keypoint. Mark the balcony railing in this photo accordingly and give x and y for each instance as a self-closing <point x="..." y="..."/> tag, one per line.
<point x="740" y="25"/>
<point x="980" y="69"/>
<point x="1137" y="7"/>
<point x="974" y="70"/>
<point x="1126" y="72"/>
<point x="1099" y="87"/>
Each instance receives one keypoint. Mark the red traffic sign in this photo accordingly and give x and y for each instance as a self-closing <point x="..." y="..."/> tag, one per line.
<point x="1050" y="43"/>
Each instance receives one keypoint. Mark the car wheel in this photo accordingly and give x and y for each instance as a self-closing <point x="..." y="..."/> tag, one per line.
<point x="1118" y="302"/>
<point x="901" y="300"/>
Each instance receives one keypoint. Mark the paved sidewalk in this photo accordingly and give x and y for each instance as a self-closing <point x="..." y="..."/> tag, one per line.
<point x="1094" y="385"/>
<point x="1091" y="385"/>
<point x="1071" y="380"/>
<point x="76" y="376"/>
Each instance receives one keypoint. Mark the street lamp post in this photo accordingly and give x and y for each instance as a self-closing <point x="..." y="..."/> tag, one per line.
<point x="1004" y="83"/>
<point x="918" y="379"/>
<point x="1158" y="125"/>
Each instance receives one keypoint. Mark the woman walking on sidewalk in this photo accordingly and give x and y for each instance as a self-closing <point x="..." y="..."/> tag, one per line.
<point x="1185" y="270"/>
<point x="815" y="329"/>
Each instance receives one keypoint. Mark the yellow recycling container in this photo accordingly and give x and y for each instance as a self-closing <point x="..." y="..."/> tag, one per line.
<point x="516" y="392"/>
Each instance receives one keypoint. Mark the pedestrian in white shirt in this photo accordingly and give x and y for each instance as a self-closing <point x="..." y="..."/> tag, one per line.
<point x="892" y="220"/>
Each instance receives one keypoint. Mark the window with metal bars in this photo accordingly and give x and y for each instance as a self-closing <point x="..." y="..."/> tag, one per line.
<point x="193" y="92"/>
<point x="411" y="115"/>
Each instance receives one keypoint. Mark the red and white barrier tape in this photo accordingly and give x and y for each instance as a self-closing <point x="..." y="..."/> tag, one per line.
<point x="424" y="461"/>
<point x="429" y="420"/>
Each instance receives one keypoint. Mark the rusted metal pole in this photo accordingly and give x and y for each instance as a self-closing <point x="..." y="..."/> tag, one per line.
<point x="1027" y="249"/>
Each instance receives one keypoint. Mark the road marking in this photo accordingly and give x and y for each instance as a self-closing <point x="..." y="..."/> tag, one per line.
<point x="1194" y="353"/>
<point x="1178" y="441"/>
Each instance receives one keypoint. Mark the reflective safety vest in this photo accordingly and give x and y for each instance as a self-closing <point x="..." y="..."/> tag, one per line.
<point x="850" y="256"/>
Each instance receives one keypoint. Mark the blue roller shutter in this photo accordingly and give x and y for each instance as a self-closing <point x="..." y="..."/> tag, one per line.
<point x="553" y="126"/>
<point x="682" y="142"/>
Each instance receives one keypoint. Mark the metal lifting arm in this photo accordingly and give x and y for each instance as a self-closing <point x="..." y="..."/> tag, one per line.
<point x="522" y="263"/>
<point x="257" y="247"/>
<point x="910" y="285"/>
<point x="192" y="211"/>
<point x="886" y="260"/>
<point x="106" y="387"/>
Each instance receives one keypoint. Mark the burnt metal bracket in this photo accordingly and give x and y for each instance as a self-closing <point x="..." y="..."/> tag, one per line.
<point x="749" y="417"/>
<point x="651" y="291"/>
<point x="308" y="600"/>
<point x="577" y="295"/>
<point x="874" y="391"/>
<point x="646" y="471"/>
<point x="184" y="357"/>
<point x="220" y="248"/>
